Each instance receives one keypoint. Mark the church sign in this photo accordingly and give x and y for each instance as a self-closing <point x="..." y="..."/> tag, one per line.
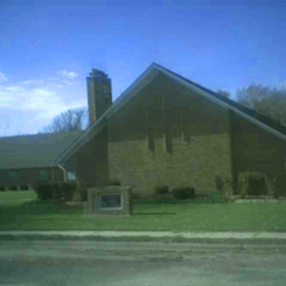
<point x="111" y="200"/>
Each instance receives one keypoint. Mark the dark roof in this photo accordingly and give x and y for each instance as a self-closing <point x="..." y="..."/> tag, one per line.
<point x="32" y="151"/>
<point x="250" y="112"/>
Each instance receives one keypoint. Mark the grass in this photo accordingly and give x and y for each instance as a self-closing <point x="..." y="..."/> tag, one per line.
<point x="21" y="211"/>
<point x="16" y="197"/>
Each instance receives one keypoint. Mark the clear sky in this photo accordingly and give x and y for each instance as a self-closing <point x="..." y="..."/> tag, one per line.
<point x="47" y="48"/>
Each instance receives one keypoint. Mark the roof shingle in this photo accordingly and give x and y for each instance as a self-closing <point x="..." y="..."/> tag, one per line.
<point x="32" y="151"/>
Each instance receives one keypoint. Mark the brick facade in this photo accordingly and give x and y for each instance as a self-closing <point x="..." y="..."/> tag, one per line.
<point x="29" y="176"/>
<point x="254" y="149"/>
<point x="191" y="140"/>
<point x="169" y="135"/>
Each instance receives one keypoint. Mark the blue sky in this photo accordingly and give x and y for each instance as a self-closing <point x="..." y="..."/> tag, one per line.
<point x="47" y="48"/>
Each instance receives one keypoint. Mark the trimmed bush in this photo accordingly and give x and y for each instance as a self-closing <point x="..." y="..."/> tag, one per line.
<point x="183" y="193"/>
<point x="44" y="191"/>
<point x="81" y="189"/>
<point x="67" y="190"/>
<point x="161" y="190"/>
<point x="24" y="187"/>
<point x="224" y="184"/>
<point x="272" y="189"/>
<point x="279" y="186"/>
<point x="55" y="190"/>
<point x="219" y="183"/>
<point x="114" y="182"/>
<point x="13" y="188"/>
<point x="252" y="184"/>
<point x="215" y="197"/>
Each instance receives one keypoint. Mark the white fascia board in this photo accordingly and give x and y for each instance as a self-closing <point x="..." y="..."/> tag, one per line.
<point x="224" y="104"/>
<point x="136" y="87"/>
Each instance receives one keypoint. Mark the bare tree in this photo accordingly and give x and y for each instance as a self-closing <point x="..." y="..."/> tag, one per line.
<point x="223" y="93"/>
<point x="265" y="100"/>
<point x="68" y="121"/>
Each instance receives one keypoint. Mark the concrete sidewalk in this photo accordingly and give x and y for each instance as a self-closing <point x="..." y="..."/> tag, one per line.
<point x="152" y="234"/>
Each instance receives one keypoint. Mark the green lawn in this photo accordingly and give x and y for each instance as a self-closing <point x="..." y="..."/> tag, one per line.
<point x="21" y="211"/>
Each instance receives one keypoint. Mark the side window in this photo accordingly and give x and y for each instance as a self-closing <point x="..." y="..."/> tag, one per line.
<point x="71" y="176"/>
<point x="43" y="175"/>
<point x="14" y="176"/>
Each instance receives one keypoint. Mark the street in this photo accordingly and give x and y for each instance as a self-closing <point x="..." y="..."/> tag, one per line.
<point x="80" y="262"/>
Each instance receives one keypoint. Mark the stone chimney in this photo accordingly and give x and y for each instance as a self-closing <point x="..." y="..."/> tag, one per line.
<point x="99" y="94"/>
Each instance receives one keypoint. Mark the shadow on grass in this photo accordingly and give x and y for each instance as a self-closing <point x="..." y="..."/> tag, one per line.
<point x="153" y="213"/>
<point x="34" y="207"/>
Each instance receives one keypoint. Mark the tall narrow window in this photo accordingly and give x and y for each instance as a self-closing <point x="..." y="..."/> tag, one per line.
<point x="168" y="139"/>
<point x="167" y="130"/>
<point x="185" y="134"/>
<point x="149" y="131"/>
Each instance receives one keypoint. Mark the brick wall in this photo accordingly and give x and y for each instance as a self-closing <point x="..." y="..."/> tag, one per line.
<point x="255" y="149"/>
<point x="189" y="136"/>
<point x="91" y="161"/>
<point x="29" y="176"/>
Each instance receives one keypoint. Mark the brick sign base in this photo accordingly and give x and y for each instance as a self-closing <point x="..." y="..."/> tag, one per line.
<point x="111" y="200"/>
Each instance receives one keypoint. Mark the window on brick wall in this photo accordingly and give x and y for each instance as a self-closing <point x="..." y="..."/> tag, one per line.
<point x="150" y="133"/>
<point x="14" y="176"/>
<point x="168" y="140"/>
<point x="151" y="140"/>
<point x="71" y="176"/>
<point x="185" y="134"/>
<point x="43" y="175"/>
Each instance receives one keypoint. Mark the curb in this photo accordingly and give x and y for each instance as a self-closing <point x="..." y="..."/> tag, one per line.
<point x="160" y="236"/>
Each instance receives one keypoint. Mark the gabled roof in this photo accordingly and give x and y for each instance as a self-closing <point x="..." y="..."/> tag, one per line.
<point x="153" y="71"/>
<point x="33" y="151"/>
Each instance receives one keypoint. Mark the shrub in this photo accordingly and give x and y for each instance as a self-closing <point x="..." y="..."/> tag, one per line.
<point x="215" y="197"/>
<point x="252" y="184"/>
<point x="136" y="196"/>
<point x="183" y="193"/>
<point x="219" y="183"/>
<point x="13" y="188"/>
<point x="272" y="189"/>
<point x="81" y="189"/>
<point x="67" y="190"/>
<point x="24" y="187"/>
<point x="2" y="188"/>
<point x="57" y="190"/>
<point x="161" y="190"/>
<point x="224" y="184"/>
<point x="114" y="182"/>
<point x="44" y="191"/>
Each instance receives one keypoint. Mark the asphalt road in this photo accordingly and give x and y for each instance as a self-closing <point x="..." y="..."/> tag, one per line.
<point x="28" y="263"/>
